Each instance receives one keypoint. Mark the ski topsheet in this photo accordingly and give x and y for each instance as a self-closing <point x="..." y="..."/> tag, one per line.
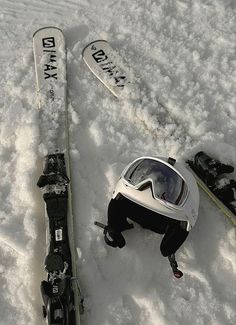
<point x="60" y="293"/>
<point x="108" y="67"/>
<point x="50" y="67"/>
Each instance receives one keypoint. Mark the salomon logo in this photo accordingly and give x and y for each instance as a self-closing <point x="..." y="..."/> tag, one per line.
<point x="109" y="68"/>
<point x="50" y="67"/>
<point x="48" y="42"/>
<point x="99" y="56"/>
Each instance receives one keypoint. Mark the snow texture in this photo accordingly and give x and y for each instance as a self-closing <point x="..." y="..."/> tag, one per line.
<point x="182" y="53"/>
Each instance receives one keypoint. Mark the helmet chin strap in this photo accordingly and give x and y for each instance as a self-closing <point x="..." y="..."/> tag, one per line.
<point x="120" y="242"/>
<point x="177" y="273"/>
<point x="111" y="238"/>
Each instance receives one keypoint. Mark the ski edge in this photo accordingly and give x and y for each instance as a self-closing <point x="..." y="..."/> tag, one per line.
<point x="71" y="223"/>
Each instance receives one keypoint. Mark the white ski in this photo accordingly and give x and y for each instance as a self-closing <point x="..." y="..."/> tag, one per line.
<point x="108" y="67"/>
<point x="50" y="66"/>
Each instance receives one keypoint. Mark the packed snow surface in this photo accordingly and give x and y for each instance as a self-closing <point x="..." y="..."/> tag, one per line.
<point x="182" y="53"/>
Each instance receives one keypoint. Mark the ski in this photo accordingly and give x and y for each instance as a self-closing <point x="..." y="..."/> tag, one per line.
<point x="108" y="67"/>
<point x="210" y="175"/>
<point x="62" y="302"/>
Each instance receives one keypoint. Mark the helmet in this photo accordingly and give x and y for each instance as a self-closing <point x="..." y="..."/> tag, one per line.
<point x="162" y="185"/>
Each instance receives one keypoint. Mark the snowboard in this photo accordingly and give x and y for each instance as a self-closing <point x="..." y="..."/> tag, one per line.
<point x="60" y="292"/>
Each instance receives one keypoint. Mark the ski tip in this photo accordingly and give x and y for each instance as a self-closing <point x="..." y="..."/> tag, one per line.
<point x="92" y="43"/>
<point x="47" y="27"/>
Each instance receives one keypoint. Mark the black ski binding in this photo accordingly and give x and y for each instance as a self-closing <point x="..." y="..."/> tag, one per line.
<point x="212" y="174"/>
<point x="57" y="292"/>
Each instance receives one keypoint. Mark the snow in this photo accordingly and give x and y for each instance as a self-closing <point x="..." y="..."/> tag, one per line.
<point x="183" y="54"/>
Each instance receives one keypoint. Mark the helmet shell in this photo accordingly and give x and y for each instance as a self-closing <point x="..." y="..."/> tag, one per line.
<point x="186" y="211"/>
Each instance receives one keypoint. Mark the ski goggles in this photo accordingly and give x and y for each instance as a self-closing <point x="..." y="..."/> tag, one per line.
<point x="165" y="182"/>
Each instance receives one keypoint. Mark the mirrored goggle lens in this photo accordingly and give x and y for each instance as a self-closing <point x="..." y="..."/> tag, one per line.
<point x="165" y="182"/>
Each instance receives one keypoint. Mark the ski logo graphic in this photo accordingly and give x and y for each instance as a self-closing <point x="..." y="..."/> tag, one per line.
<point x="99" y="56"/>
<point x="50" y="67"/>
<point x="48" y="42"/>
<point x="108" y="67"/>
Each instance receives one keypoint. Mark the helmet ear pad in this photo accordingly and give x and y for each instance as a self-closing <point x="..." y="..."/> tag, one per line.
<point x="173" y="239"/>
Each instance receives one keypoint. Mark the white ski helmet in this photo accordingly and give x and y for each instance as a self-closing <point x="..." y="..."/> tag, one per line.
<point x="163" y="186"/>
